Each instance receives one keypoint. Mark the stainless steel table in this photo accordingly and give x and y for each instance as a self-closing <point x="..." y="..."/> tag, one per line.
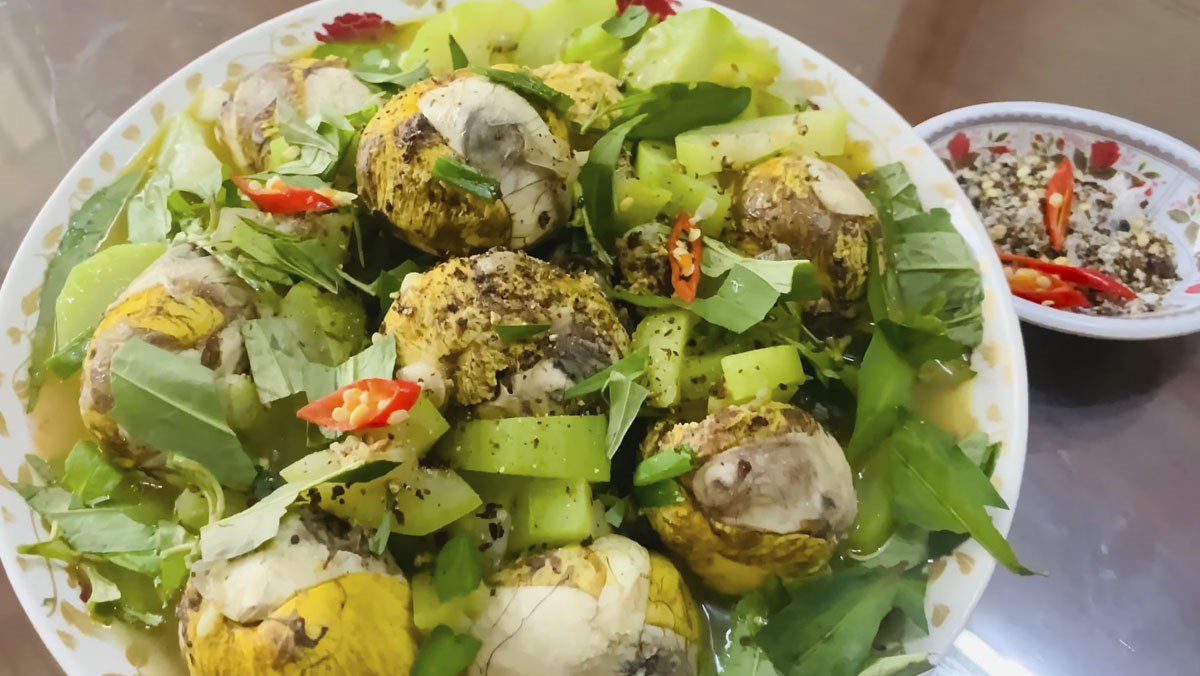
<point x="1106" y="509"/>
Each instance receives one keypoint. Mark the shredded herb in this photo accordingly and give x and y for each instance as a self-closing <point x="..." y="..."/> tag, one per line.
<point x="519" y="333"/>
<point x="444" y="653"/>
<point x="529" y="87"/>
<point x="628" y="23"/>
<point x="459" y="568"/>
<point x="458" y="58"/>
<point x="664" y="465"/>
<point x="461" y="175"/>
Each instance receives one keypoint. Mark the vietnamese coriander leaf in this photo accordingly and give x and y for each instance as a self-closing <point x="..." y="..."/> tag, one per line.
<point x="529" y="87"/>
<point x="459" y="568"/>
<point x="596" y="182"/>
<point x="307" y="260"/>
<point x="628" y="23"/>
<point x="631" y="366"/>
<point x="388" y="284"/>
<point x="741" y="656"/>
<point x="67" y="361"/>
<point x="664" y="465"/>
<point x="671" y="108"/>
<point x="938" y="488"/>
<point x="519" y="333"/>
<point x="458" y="58"/>
<point x="379" y="539"/>
<point x="89" y="474"/>
<point x="86" y="229"/>
<point x="170" y="401"/>
<point x="102" y="530"/>
<point x="981" y="450"/>
<point x="625" y="399"/>
<point x="247" y="530"/>
<point x="885" y="385"/>
<point x="277" y="363"/>
<point x="455" y="172"/>
<point x="444" y="653"/>
<point x="830" y="624"/>
<point x="397" y="78"/>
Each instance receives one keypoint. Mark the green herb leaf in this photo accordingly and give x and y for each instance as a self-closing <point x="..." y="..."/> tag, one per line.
<point x="458" y="58"/>
<point x="661" y="494"/>
<point x="530" y="87"/>
<point x="89" y="474"/>
<point x="307" y="260"/>
<point x="596" y="182"/>
<point x="981" y="450"/>
<point x="796" y="278"/>
<point x="445" y="653"/>
<point x="519" y="333"/>
<point x="937" y="487"/>
<point x="669" y="109"/>
<point x="898" y="665"/>
<point x="929" y="276"/>
<point x="276" y="360"/>
<point x="247" y="530"/>
<point x="741" y="656"/>
<point x="170" y="402"/>
<point x="379" y="540"/>
<point x="742" y="301"/>
<point x="400" y="79"/>
<point x="664" y="465"/>
<point x="628" y="23"/>
<point x="389" y="282"/>
<point x="885" y="385"/>
<point x="102" y="530"/>
<point x="198" y="475"/>
<point x="907" y="547"/>
<point x="630" y="366"/>
<point x="453" y="171"/>
<point x="69" y="358"/>
<point x="829" y="625"/>
<point x="86" y="229"/>
<point x="459" y="568"/>
<point x="625" y="399"/>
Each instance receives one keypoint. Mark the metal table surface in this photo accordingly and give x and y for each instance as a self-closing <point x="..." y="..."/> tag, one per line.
<point x="1106" y="508"/>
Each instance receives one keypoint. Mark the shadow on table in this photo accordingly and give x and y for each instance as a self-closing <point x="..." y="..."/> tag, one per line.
<point x="1071" y="371"/>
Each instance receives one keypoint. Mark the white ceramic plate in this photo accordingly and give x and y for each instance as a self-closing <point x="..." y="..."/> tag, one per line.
<point x="1169" y="168"/>
<point x="999" y="398"/>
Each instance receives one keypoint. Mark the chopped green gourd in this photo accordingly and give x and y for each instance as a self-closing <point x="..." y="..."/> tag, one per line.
<point x="656" y="166"/>
<point x="423" y="500"/>
<point x="541" y="511"/>
<point x="775" y="372"/>
<point x="740" y="143"/>
<point x="551" y="513"/>
<point x="429" y="610"/>
<point x="595" y="45"/>
<point x="487" y="31"/>
<point x="700" y="45"/>
<point x="638" y="201"/>
<point x="95" y="283"/>
<point x="551" y="24"/>
<point x="559" y="447"/>
<point x="665" y="335"/>
<point x="329" y="327"/>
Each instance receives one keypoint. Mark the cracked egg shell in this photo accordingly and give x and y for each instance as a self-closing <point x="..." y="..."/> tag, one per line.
<point x="185" y="300"/>
<point x="444" y="322"/>
<point x="491" y="128"/>
<point x="309" y="86"/>
<point x="813" y="208"/>
<point x="317" y="608"/>
<point x="608" y="608"/>
<point x="772" y="494"/>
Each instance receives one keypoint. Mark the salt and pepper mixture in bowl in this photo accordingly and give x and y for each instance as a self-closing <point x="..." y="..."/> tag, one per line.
<point x="511" y="341"/>
<point x="1071" y="231"/>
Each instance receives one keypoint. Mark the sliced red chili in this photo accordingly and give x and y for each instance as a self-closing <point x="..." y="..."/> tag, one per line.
<point x="659" y="8"/>
<point x="1089" y="277"/>
<point x="355" y="27"/>
<point x="959" y="146"/>
<point x="684" y="252"/>
<point x="277" y="197"/>
<point x="367" y="403"/>
<point x="1060" y="191"/>
<point x="1104" y="154"/>
<point x="1045" y="289"/>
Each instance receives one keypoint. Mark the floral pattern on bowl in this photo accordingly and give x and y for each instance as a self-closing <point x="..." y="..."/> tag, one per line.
<point x="1166" y="170"/>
